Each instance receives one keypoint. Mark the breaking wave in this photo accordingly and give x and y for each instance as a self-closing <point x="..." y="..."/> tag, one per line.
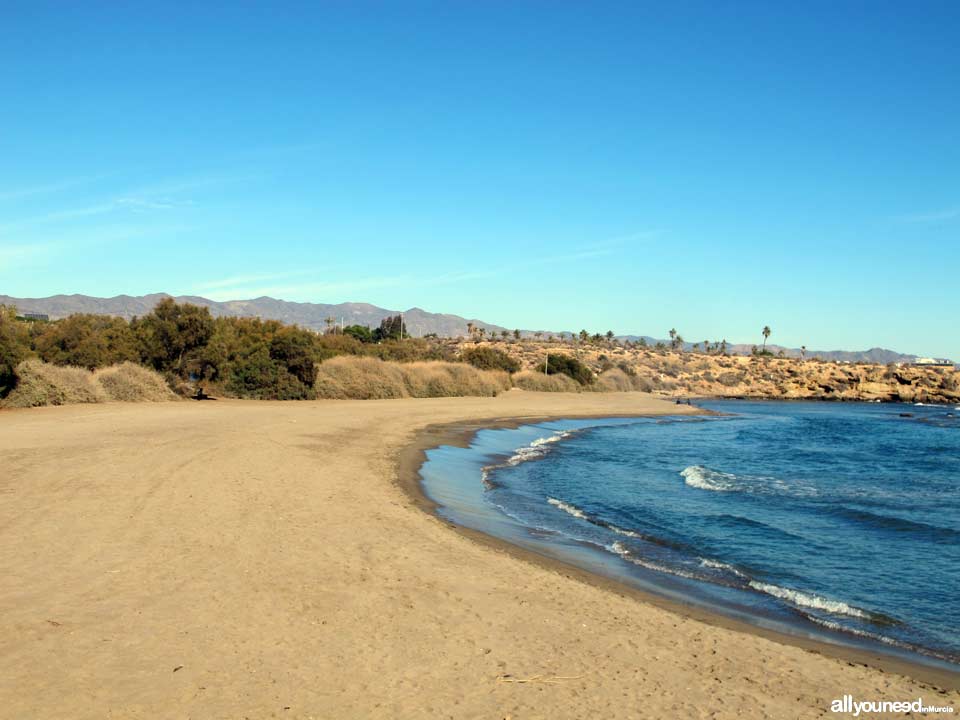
<point x="534" y="451"/>
<point x="816" y="602"/>
<point x="704" y="478"/>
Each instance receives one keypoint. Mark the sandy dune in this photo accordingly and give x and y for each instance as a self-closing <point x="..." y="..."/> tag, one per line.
<point x="256" y="559"/>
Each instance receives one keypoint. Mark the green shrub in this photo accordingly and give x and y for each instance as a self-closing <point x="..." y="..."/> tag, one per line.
<point x="569" y="366"/>
<point x="89" y="341"/>
<point x="485" y="357"/>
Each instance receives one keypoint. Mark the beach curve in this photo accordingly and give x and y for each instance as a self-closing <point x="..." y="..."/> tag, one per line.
<point x="262" y="558"/>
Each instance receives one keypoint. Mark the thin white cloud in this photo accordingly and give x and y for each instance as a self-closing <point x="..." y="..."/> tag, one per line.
<point x="46" y="189"/>
<point x="241" y="281"/>
<point x="932" y="217"/>
<point x="310" y="292"/>
<point x="257" y="285"/>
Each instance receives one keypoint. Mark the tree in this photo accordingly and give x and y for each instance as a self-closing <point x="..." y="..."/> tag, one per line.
<point x="803" y="352"/>
<point x="329" y="320"/>
<point x="569" y="366"/>
<point x="470" y="330"/>
<point x="89" y="341"/>
<point x="391" y="328"/>
<point x="723" y="346"/>
<point x="489" y="358"/>
<point x="610" y="337"/>
<point x="171" y="333"/>
<point x="14" y="347"/>
<point x="293" y="348"/>
<point x="706" y="346"/>
<point x="538" y="334"/>
<point x="679" y="341"/>
<point x="766" y="334"/>
<point x="584" y="336"/>
<point x="642" y="342"/>
<point x="673" y="338"/>
<point x="504" y="334"/>
<point x="360" y="332"/>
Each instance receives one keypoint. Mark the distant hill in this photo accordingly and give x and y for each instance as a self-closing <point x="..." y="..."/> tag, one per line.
<point x="310" y="315"/>
<point x="313" y="315"/>
<point x="878" y="355"/>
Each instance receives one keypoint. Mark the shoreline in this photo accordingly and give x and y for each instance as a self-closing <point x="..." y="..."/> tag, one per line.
<point x="262" y="559"/>
<point x="461" y="434"/>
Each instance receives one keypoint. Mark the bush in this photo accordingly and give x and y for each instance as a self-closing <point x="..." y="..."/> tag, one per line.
<point x="442" y="379"/>
<point x="614" y="380"/>
<point x="365" y="378"/>
<point x="488" y="358"/>
<point x="133" y="383"/>
<point x="729" y="379"/>
<point x="538" y="382"/>
<point x="14" y="347"/>
<point x="569" y="366"/>
<point x="89" y="341"/>
<point x="39" y="383"/>
<point x="361" y="378"/>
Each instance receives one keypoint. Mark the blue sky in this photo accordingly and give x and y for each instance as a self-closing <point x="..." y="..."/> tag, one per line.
<point x="713" y="167"/>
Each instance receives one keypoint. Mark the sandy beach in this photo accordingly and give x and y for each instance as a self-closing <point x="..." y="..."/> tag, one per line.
<point x="237" y="559"/>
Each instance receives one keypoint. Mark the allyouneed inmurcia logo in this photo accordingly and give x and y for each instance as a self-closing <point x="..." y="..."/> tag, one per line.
<point x="847" y="704"/>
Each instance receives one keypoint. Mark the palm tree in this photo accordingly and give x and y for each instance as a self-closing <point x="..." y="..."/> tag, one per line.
<point x="766" y="334"/>
<point x="329" y="320"/>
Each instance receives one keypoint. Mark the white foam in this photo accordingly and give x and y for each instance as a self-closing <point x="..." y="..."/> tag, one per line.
<point x="619" y="549"/>
<point x="537" y="449"/>
<point x="567" y="508"/>
<point x="704" y="478"/>
<point x="717" y="565"/>
<point x="801" y="599"/>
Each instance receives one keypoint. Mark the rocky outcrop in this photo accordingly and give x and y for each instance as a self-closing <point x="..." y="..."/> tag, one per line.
<point x="687" y="374"/>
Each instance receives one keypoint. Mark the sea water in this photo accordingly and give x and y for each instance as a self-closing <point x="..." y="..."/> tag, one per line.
<point x="839" y="521"/>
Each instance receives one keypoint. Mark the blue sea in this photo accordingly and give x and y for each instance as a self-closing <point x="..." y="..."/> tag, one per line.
<point x="839" y="521"/>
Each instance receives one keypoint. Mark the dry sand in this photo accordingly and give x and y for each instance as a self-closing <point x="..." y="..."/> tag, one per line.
<point x="258" y="559"/>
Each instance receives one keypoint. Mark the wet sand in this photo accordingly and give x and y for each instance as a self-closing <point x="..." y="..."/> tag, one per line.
<point x="259" y="559"/>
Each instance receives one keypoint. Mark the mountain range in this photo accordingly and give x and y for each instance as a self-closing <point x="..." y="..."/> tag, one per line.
<point x="316" y="316"/>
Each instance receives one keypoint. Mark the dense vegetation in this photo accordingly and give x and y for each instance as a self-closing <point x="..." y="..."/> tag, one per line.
<point x="244" y="357"/>
<point x="485" y="357"/>
<point x="569" y="366"/>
